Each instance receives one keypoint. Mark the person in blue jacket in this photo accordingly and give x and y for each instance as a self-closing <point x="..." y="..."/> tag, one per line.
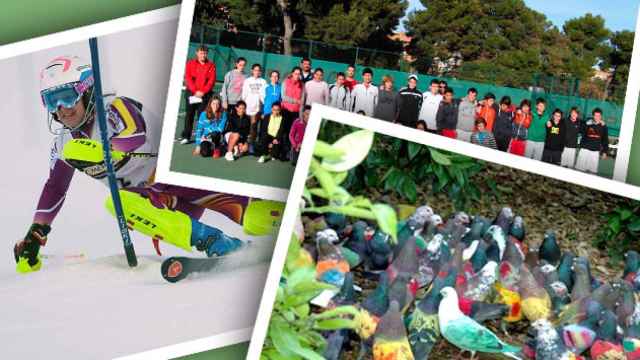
<point x="272" y="93"/>
<point x="211" y="125"/>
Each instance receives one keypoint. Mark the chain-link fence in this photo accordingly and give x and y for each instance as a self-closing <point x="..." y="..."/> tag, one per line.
<point x="266" y="50"/>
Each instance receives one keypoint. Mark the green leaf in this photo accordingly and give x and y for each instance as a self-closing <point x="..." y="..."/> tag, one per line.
<point x="340" y="196"/>
<point x="387" y="220"/>
<point x="355" y="146"/>
<point x="323" y="176"/>
<point x="634" y="225"/>
<point x="307" y="196"/>
<point x="615" y="225"/>
<point x="361" y="201"/>
<point x="319" y="192"/>
<point x="439" y="157"/>
<point x="334" y="324"/>
<point x="326" y="151"/>
<point x="409" y="190"/>
<point x="284" y="339"/>
<point x="340" y="177"/>
<point x="301" y="275"/>
<point x="414" y="149"/>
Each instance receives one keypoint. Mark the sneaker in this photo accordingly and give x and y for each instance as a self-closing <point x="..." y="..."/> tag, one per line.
<point x="262" y="159"/>
<point x="184" y="141"/>
<point x="229" y="156"/>
<point x="211" y="240"/>
<point x="216" y="153"/>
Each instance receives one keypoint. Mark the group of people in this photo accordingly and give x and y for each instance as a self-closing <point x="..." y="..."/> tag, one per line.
<point x="249" y="116"/>
<point x="268" y="118"/>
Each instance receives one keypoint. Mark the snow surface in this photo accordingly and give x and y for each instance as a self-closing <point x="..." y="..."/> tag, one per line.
<point x="99" y="308"/>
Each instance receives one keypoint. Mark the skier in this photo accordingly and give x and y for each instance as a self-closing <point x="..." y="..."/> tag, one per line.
<point x="163" y="212"/>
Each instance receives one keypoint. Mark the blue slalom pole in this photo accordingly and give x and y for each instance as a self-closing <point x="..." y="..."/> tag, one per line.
<point x="106" y="148"/>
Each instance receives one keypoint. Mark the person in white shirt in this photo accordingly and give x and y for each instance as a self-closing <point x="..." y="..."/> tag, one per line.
<point x="364" y="96"/>
<point x="253" y="95"/>
<point x="430" y="102"/>
<point x="339" y="94"/>
<point x="316" y="90"/>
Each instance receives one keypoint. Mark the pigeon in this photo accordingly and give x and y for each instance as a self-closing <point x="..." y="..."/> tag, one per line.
<point x="361" y="232"/>
<point x="607" y="346"/>
<point x="465" y="333"/>
<point x="403" y="290"/>
<point x="390" y="340"/>
<point x="511" y="299"/>
<point x="536" y="303"/>
<point x="631" y="341"/>
<point x="579" y="337"/>
<point x="413" y="226"/>
<point x="504" y="219"/>
<point x="406" y="262"/>
<point x="565" y="273"/>
<point x="480" y="286"/>
<point x="631" y="267"/>
<point x="513" y="253"/>
<point x="497" y="234"/>
<point x="549" y="249"/>
<point x="336" y="221"/>
<point x="424" y="330"/>
<point x="335" y="344"/>
<point x="581" y="280"/>
<point x="517" y="229"/>
<point x="549" y="346"/>
<point x="331" y="266"/>
<point x="432" y="226"/>
<point x="625" y="306"/>
<point x="347" y="293"/>
<point x="379" y="250"/>
<point x="477" y="228"/>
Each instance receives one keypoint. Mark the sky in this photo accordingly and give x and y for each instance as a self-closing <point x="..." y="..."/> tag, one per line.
<point x="618" y="14"/>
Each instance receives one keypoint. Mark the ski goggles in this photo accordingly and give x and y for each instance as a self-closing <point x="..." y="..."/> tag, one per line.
<point x="66" y="95"/>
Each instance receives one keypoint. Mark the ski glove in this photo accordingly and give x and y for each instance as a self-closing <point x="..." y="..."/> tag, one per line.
<point x="30" y="246"/>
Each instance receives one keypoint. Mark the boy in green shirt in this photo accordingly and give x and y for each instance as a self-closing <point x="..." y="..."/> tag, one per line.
<point x="537" y="131"/>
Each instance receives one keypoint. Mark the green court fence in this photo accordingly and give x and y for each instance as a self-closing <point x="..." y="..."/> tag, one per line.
<point x="225" y="47"/>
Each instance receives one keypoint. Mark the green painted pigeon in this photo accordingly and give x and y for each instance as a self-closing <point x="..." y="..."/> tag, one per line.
<point x="465" y="333"/>
<point x="549" y="249"/>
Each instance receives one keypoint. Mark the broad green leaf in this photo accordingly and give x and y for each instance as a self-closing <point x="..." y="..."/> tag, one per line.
<point x="284" y="339"/>
<point x="387" y="220"/>
<point x="326" y="151"/>
<point x="301" y="275"/>
<point x="361" y="201"/>
<point x="340" y="196"/>
<point x="615" y="225"/>
<point x="323" y="176"/>
<point x="307" y="196"/>
<point x="414" y="149"/>
<point x="340" y="177"/>
<point x="409" y="190"/>
<point x="302" y="311"/>
<point x="355" y="146"/>
<point x="439" y="157"/>
<point x="634" y="225"/>
<point x="308" y="353"/>
<point x="625" y="214"/>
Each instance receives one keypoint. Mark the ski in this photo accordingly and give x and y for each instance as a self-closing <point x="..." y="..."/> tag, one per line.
<point x="177" y="268"/>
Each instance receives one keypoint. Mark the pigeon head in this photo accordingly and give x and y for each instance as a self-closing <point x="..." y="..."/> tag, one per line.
<point x="461" y="218"/>
<point x="436" y="220"/>
<point x="631" y="262"/>
<point x="369" y="232"/>
<point x="422" y="215"/>
<point x="449" y="293"/>
<point x="330" y="235"/>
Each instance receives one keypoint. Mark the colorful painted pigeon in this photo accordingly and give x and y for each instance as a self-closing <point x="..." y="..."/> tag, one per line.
<point x="361" y="232"/>
<point x="406" y="262"/>
<point x="331" y="266"/>
<point x="477" y="228"/>
<point x="390" y="341"/>
<point x="511" y="299"/>
<point x="625" y="305"/>
<point x="579" y="337"/>
<point x="536" y="303"/>
<point x="432" y="227"/>
<point x="631" y="341"/>
<point x="631" y="267"/>
<point x="607" y="346"/>
<point x="549" y="249"/>
<point x="465" y="333"/>
<point x="513" y="253"/>
<point x="336" y="221"/>
<point x="548" y="344"/>
<point x="403" y="290"/>
<point x="413" y="226"/>
<point x="480" y="286"/>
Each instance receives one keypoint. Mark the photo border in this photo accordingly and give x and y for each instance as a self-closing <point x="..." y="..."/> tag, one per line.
<point x="164" y="173"/>
<point x="630" y="107"/>
<point x="320" y="112"/>
<point x="122" y="24"/>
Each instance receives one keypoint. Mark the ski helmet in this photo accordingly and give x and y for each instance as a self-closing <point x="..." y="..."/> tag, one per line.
<point x="64" y="81"/>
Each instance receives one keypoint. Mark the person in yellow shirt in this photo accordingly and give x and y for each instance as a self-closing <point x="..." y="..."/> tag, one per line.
<point x="272" y="136"/>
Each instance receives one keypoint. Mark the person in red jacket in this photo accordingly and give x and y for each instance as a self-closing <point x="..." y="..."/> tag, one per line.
<point x="200" y="76"/>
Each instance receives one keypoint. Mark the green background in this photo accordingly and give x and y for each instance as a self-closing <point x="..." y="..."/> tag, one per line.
<point x="633" y="173"/>
<point x="26" y="19"/>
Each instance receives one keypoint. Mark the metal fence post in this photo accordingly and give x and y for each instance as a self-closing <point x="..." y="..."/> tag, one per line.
<point x="202" y="34"/>
<point x="310" y="48"/>
<point x="357" y="53"/>
<point x="265" y="38"/>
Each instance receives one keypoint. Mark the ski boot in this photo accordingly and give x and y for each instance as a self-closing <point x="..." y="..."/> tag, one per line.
<point x="211" y="240"/>
<point x="171" y="226"/>
<point x="26" y="251"/>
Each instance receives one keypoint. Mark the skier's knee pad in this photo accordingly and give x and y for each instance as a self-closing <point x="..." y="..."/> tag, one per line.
<point x="167" y="225"/>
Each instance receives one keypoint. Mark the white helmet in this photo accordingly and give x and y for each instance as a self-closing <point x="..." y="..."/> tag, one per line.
<point x="64" y="81"/>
